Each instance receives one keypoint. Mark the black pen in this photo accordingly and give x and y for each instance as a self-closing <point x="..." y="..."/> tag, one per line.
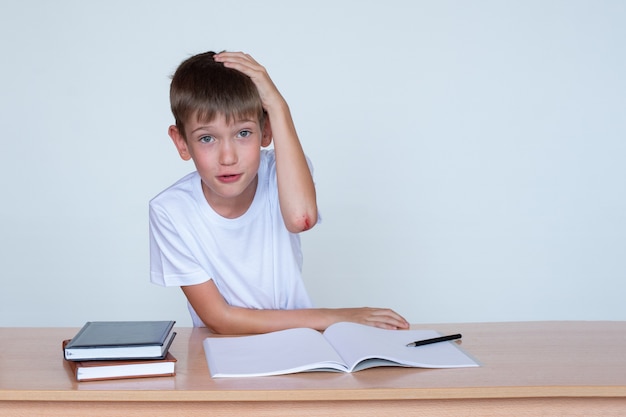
<point x="434" y="340"/>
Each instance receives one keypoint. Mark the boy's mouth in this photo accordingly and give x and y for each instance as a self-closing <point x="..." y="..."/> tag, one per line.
<point x="229" y="177"/>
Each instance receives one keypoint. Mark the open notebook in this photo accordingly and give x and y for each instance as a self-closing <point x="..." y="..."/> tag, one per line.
<point x="343" y="347"/>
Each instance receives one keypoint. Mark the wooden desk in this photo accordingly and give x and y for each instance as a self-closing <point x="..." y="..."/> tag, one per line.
<point x="538" y="368"/>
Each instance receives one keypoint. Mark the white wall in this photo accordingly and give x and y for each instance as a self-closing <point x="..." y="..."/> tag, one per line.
<point x="470" y="155"/>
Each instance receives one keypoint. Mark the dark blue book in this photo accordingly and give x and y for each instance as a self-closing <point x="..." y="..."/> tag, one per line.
<point x="119" y="340"/>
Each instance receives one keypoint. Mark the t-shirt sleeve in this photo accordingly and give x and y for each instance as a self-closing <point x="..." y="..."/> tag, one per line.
<point x="171" y="261"/>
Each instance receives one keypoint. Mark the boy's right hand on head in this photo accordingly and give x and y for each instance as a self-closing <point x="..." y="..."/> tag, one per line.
<point x="244" y="63"/>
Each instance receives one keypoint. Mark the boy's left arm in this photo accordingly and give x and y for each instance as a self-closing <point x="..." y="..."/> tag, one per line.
<point x="296" y="190"/>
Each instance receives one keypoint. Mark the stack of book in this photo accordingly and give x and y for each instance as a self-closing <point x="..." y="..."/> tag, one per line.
<point x="121" y="349"/>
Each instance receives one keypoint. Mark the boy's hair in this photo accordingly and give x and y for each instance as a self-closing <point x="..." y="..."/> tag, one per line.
<point x="204" y="89"/>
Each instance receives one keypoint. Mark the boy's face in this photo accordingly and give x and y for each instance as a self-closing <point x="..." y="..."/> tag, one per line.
<point x="226" y="156"/>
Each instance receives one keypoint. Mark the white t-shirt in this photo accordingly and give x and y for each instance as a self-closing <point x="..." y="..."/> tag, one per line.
<point x="254" y="261"/>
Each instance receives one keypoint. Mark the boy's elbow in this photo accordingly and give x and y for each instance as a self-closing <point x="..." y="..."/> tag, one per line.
<point x="220" y="330"/>
<point x="302" y="222"/>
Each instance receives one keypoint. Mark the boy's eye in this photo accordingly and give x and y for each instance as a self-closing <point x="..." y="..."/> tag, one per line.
<point x="244" y="133"/>
<point x="206" y="139"/>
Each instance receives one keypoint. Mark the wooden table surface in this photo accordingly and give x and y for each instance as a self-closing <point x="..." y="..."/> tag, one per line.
<point x="528" y="365"/>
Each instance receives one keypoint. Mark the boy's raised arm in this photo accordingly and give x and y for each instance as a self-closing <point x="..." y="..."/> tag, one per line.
<point x="296" y="190"/>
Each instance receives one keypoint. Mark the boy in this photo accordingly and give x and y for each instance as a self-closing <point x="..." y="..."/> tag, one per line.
<point x="227" y="234"/>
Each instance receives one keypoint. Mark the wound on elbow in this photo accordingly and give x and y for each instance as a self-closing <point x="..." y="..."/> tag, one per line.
<point x="304" y="224"/>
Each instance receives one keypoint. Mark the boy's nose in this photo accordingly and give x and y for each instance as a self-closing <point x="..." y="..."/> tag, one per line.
<point x="228" y="154"/>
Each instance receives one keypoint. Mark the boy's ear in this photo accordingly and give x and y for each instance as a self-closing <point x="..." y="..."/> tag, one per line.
<point x="180" y="142"/>
<point x="266" y="139"/>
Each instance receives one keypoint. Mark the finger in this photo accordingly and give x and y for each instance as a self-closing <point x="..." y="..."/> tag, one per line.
<point x="384" y="325"/>
<point x="386" y="312"/>
<point x="255" y="71"/>
<point x="237" y="60"/>
<point x="234" y="55"/>
<point x="387" y="317"/>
